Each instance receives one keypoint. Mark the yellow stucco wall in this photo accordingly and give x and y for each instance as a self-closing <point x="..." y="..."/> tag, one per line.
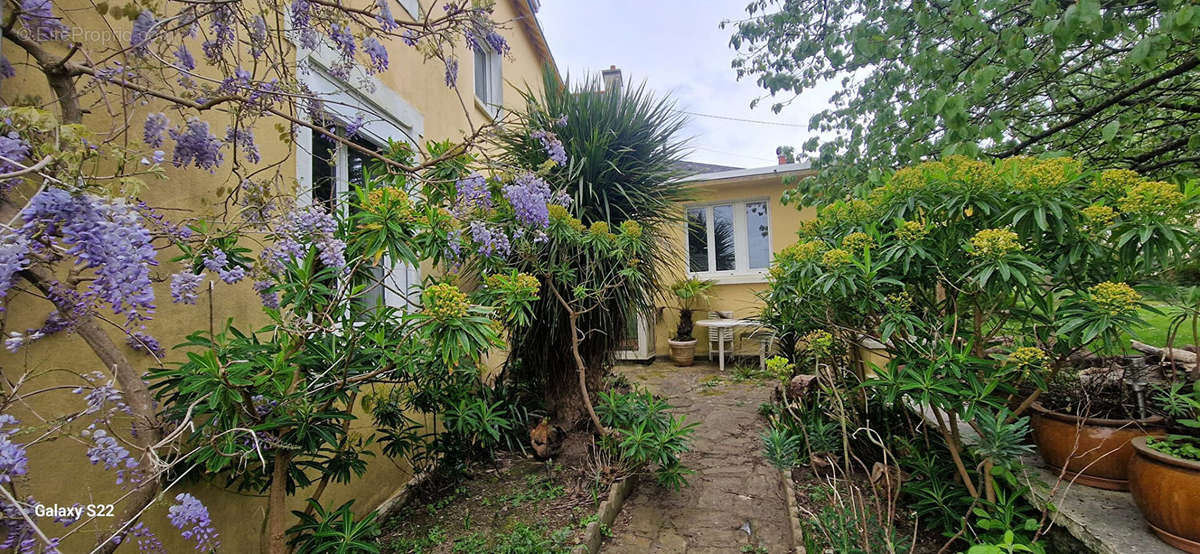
<point x="59" y="472"/>
<point x="740" y="298"/>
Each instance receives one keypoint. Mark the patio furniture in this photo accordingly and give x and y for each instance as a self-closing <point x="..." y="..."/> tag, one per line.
<point x="719" y="334"/>
<point x="727" y="325"/>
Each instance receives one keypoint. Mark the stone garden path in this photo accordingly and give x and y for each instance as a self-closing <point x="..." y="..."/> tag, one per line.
<point x="734" y="502"/>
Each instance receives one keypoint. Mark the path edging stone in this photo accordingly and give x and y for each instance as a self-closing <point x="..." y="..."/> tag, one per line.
<point x="793" y="509"/>
<point x="606" y="514"/>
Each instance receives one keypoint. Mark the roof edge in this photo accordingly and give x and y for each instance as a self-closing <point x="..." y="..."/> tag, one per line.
<point x="734" y="174"/>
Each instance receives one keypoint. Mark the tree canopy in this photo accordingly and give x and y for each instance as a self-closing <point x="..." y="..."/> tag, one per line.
<point x="1113" y="83"/>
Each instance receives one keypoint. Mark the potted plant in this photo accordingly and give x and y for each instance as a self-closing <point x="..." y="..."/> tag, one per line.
<point x="690" y="293"/>
<point x="1085" y="421"/>
<point x="1164" y="474"/>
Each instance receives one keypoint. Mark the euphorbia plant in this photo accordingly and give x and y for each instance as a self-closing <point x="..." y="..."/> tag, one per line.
<point x="976" y="276"/>
<point x="690" y="293"/>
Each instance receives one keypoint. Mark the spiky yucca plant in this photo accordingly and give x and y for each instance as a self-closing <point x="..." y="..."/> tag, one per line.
<point x="622" y="150"/>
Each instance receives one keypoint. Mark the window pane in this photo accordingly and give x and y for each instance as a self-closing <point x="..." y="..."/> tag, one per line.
<point x="324" y="156"/>
<point x="757" y="235"/>
<point x="697" y="240"/>
<point x="481" y="76"/>
<point x="723" y="236"/>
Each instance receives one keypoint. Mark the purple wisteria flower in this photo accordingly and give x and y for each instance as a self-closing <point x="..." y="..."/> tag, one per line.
<point x="110" y="452"/>
<point x="146" y="540"/>
<point x="6" y="68"/>
<point x="192" y="519"/>
<point x="14" y="250"/>
<point x="342" y="38"/>
<point x="244" y="139"/>
<point x="183" y="287"/>
<point x="409" y="37"/>
<point x="195" y="145"/>
<point x="139" y="38"/>
<point x="553" y="147"/>
<point x="451" y="71"/>
<point x="13" y="151"/>
<point x="562" y="198"/>
<point x="386" y="21"/>
<point x="14" y="460"/>
<point x="39" y="21"/>
<point x="472" y="192"/>
<point x="102" y="396"/>
<point x="141" y="342"/>
<point x="376" y="53"/>
<point x="258" y="36"/>
<point x="221" y="32"/>
<point x="306" y="227"/>
<point x="216" y="260"/>
<point x="355" y="125"/>
<point x="184" y="58"/>
<point x="528" y="195"/>
<point x="269" y="297"/>
<point x="152" y="131"/>
<point x="491" y="240"/>
<point x="561" y="122"/>
<point x="104" y="235"/>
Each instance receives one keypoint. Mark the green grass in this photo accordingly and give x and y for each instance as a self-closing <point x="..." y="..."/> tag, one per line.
<point x="1154" y="332"/>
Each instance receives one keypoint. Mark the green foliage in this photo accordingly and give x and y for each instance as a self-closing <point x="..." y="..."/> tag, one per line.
<point x="690" y="292"/>
<point x="646" y="435"/>
<point x="334" y="532"/>
<point x="1182" y="402"/>
<point x="995" y="78"/>
<point x="781" y="448"/>
<point x="615" y="176"/>
<point x="841" y="520"/>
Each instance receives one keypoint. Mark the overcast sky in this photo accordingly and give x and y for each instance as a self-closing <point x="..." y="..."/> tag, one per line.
<point x="677" y="47"/>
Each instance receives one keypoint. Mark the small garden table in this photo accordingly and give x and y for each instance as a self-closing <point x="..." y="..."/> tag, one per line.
<point x="726" y="324"/>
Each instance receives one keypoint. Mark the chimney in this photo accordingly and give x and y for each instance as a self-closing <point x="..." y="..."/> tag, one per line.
<point x="612" y="78"/>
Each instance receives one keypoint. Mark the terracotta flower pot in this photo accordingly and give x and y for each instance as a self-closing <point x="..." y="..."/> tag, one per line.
<point x="683" y="352"/>
<point x="1095" y="451"/>
<point x="1167" y="491"/>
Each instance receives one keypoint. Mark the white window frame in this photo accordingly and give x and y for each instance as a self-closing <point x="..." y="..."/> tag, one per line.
<point x="741" y="272"/>
<point x="413" y="7"/>
<point x="343" y="103"/>
<point x="494" y="87"/>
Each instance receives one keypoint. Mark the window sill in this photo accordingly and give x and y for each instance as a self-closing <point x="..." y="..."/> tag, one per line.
<point x="491" y="112"/>
<point x="745" y="278"/>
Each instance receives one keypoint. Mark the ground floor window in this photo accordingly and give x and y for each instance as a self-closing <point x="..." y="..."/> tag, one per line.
<point x="728" y="238"/>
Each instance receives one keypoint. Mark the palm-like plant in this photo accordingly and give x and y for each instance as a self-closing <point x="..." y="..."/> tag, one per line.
<point x="623" y="147"/>
<point x="690" y="292"/>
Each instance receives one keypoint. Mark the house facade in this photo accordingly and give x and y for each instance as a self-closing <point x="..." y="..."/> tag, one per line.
<point x="735" y="224"/>
<point x="415" y="105"/>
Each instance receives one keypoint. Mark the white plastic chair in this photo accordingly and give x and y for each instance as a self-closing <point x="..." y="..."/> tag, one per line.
<point x="718" y="335"/>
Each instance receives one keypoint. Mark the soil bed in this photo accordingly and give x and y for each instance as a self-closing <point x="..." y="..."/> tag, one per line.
<point x="514" y="505"/>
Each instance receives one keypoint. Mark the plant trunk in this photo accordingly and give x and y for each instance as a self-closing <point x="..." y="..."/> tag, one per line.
<point x="277" y="505"/>
<point x="684" y="330"/>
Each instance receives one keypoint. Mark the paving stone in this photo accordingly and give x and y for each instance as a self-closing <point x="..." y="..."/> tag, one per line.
<point x="732" y="485"/>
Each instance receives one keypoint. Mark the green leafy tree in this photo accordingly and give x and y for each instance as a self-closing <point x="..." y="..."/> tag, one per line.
<point x="1110" y="82"/>
<point x="621" y="149"/>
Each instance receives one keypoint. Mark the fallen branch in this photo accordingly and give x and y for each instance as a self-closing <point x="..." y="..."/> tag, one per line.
<point x="1172" y="354"/>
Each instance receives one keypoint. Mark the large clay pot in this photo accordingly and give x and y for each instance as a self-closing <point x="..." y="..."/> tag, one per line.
<point x="683" y="352"/>
<point x="1167" y="491"/>
<point x="1095" y="451"/>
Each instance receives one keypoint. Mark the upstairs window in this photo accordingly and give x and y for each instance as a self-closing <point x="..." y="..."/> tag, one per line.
<point x="728" y="238"/>
<point x="488" y="80"/>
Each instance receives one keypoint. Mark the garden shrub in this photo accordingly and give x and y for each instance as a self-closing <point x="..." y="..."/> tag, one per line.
<point x="981" y="280"/>
<point x="646" y="435"/>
